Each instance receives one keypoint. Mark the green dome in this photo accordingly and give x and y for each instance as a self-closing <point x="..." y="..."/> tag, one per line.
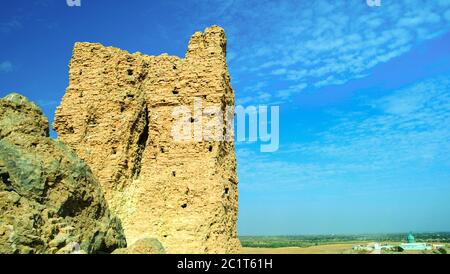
<point x="410" y="239"/>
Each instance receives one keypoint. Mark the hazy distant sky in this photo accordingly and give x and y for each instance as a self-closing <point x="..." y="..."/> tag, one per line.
<point x="364" y="96"/>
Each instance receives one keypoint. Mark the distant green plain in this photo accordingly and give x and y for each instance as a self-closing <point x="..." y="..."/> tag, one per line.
<point x="314" y="240"/>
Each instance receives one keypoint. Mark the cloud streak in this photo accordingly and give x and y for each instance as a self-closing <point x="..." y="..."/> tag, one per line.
<point x="9" y="26"/>
<point x="404" y="132"/>
<point x="320" y="43"/>
<point x="6" y="66"/>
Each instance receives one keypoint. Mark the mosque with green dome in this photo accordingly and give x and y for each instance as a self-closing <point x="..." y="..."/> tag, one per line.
<point x="412" y="245"/>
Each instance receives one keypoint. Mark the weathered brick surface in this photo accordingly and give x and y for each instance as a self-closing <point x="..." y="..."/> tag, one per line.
<point x="117" y="115"/>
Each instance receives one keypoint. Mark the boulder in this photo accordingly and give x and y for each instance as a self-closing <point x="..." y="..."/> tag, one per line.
<point x="143" y="246"/>
<point x="49" y="200"/>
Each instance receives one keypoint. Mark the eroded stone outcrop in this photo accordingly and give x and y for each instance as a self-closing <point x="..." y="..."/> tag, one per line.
<point x="49" y="200"/>
<point x="117" y="114"/>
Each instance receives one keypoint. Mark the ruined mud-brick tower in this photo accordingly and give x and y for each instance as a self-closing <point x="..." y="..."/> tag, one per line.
<point x="117" y="114"/>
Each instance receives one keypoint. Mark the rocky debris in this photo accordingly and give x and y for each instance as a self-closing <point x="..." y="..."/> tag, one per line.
<point x="117" y="114"/>
<point x="49" y="200"/>
<point x="143" y="246"/>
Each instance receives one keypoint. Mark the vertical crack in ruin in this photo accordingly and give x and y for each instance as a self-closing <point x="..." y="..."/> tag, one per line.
<point x="141" y="145"/>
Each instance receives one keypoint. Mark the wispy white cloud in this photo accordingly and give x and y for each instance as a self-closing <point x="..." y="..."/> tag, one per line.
<point x="409" y="125"/>
<point x="293" y="89"/>
<point x="322" y="42"/>
<point x="8" y="26"/>
<point x="6" y="66"/>
<point x="405" y="131"/>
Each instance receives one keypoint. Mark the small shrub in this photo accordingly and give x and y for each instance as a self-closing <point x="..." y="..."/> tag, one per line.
<point x="442" y="250"/>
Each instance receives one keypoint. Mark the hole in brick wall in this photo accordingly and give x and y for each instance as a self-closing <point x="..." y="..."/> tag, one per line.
<point x="142" y="76"/>
<point x="114" y="150"/>
<point x="210" y="148"/>
<point x="191" y="119"/>
<point x="165" y="236"/>
<point x="174" y="173"/>
<point x="163" y="150"/>
<point x="175" y="91"/>
<point x="227" y="190"/>
<point x="92" y="121"/>
<point x="174" y="67"/>
<point x="130" y="72"/>
<point x="183" y="205"/>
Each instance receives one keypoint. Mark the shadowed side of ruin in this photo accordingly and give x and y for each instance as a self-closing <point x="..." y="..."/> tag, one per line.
<point x="117" y="115"/>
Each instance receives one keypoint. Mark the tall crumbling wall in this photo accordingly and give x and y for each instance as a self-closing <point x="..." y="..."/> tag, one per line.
<point x="117" y="114"/>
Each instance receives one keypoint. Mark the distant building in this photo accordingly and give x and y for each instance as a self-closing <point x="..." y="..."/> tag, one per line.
<point x="412" y="245"/>
<point x="375" y="248"/>
<point x="372" y="247"/>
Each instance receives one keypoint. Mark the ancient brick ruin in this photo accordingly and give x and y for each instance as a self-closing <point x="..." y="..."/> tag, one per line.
<point x="117" y="114"/>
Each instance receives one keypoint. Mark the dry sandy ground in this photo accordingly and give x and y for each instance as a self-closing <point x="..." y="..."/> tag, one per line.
<point x="320" y="249"/>
<point x="342" y="248"/>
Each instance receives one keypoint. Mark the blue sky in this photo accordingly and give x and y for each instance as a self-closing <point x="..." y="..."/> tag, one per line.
<point x="364" y="96"/>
